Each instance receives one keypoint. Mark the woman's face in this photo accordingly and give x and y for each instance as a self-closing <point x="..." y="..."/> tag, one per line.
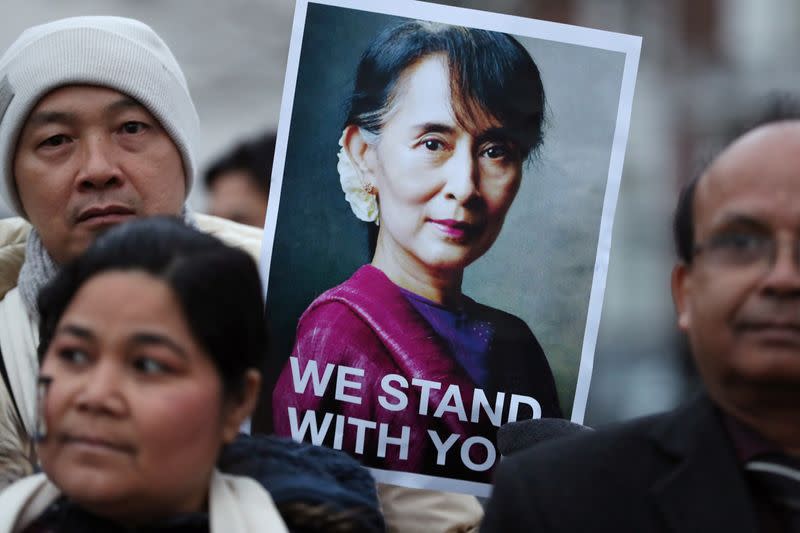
<point x="135" y="411"/>
<point x="443" y="191"/>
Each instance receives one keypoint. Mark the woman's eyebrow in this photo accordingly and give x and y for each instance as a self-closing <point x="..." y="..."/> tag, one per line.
<point x="160" y="340"/>
<point x="435" y="127"/>
<point x="75" y="331"/>
<point x="495" y="134"/>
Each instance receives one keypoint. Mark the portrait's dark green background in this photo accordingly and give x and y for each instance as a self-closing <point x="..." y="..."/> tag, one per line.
<point x="541" y="266"/>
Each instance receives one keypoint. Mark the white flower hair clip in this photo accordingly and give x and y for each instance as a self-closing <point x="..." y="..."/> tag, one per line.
<point x="360" y="195"/>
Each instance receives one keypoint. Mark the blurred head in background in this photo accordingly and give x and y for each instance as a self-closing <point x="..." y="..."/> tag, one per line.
<point x="238" y="183"/>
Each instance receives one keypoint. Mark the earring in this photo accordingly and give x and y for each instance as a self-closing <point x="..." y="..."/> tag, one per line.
<point x="42" y="386"/>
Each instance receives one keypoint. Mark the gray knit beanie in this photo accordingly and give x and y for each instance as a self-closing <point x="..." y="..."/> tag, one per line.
<point x="119" y="53"/>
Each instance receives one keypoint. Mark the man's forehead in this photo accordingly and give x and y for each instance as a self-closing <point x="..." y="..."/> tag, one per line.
<point x="760" y="171"/>
<point x="72" y="99"/>
<point x="760" y="146"/>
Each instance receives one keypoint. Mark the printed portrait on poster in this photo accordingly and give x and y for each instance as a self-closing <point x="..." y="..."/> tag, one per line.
<point x="438" y="231"/>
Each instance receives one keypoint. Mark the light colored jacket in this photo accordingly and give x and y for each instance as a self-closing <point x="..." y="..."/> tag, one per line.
<point x="425" y="511"/>
<point x="235" y="505"/>
<point x="19" y="332"/>
<point x="14" y="234"/>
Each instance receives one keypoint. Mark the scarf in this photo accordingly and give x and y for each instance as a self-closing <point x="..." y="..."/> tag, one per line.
<point x="39" y="267"/>
<point x="37" y="271"/>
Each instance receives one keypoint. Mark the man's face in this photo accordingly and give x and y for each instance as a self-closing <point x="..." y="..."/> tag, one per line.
<point x="235" y="196"/>
<point x="739" y="300"/>
<point x="89" y="158"/>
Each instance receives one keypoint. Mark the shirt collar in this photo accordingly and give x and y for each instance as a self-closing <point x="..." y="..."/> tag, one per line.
<point x="748" y="442"/>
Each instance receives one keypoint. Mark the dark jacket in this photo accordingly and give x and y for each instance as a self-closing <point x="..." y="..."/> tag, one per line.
<point x="666" y="473"/>
<point x="295" y="472"/>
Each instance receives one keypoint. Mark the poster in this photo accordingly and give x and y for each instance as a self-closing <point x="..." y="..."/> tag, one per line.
<point x="476" y="298"/>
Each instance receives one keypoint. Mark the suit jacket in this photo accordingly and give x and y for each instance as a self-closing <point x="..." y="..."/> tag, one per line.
<point x="674" y="472"/>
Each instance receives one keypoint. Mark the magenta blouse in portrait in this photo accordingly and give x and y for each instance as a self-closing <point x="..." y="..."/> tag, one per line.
<point x="370" y="323"/>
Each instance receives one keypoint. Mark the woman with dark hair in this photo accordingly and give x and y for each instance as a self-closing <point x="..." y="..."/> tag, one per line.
<point x="440" y="122"/>
<point x="150" y="347"/>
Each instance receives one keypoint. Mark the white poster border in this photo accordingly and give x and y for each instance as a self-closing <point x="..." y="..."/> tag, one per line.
<point x="629" y="45"/>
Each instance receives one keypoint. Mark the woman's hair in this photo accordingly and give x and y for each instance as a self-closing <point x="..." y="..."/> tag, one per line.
<point x="217" y="287"/>
<point x="489" y="72"/>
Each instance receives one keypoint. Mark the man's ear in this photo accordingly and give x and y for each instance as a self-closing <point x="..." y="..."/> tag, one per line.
<point x="681" y="286"/>
<point x="238" y="408"/>
<point x="360" y="152"/>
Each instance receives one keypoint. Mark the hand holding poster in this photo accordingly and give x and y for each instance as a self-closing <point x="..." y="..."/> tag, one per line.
<point x="451" y="129"/>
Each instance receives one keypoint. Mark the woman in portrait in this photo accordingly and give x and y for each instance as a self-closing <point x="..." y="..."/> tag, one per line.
<point x="441" y="121"/>
<point x="150" y="345"/>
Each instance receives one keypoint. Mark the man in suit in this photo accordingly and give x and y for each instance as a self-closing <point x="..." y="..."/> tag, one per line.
<point x="730" y="459"/>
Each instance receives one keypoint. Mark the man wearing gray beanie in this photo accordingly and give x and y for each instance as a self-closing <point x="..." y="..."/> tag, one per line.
<point x="97" y="126"/>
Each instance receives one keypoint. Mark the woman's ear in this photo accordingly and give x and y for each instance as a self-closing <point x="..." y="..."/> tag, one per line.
<point x="238" y="408"/>
<point x="360" y="152"/>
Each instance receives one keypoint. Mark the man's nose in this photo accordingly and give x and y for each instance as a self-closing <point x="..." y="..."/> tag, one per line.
<point x="99" y="169"/>
<point x="783" y="276"/>
<point x="462" y="176"/>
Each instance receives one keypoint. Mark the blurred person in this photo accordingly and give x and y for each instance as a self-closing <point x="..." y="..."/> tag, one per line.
<point x="439" y="125"/>
<point x="729" y="460"/>
<point x="238" y="182"/>
<point x="316" y="489"/>
<point x="150" y="347"/>
<point x="97" y="127"/>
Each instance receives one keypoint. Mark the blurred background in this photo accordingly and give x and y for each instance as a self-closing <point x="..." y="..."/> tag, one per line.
<point x="706" y="67"/>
